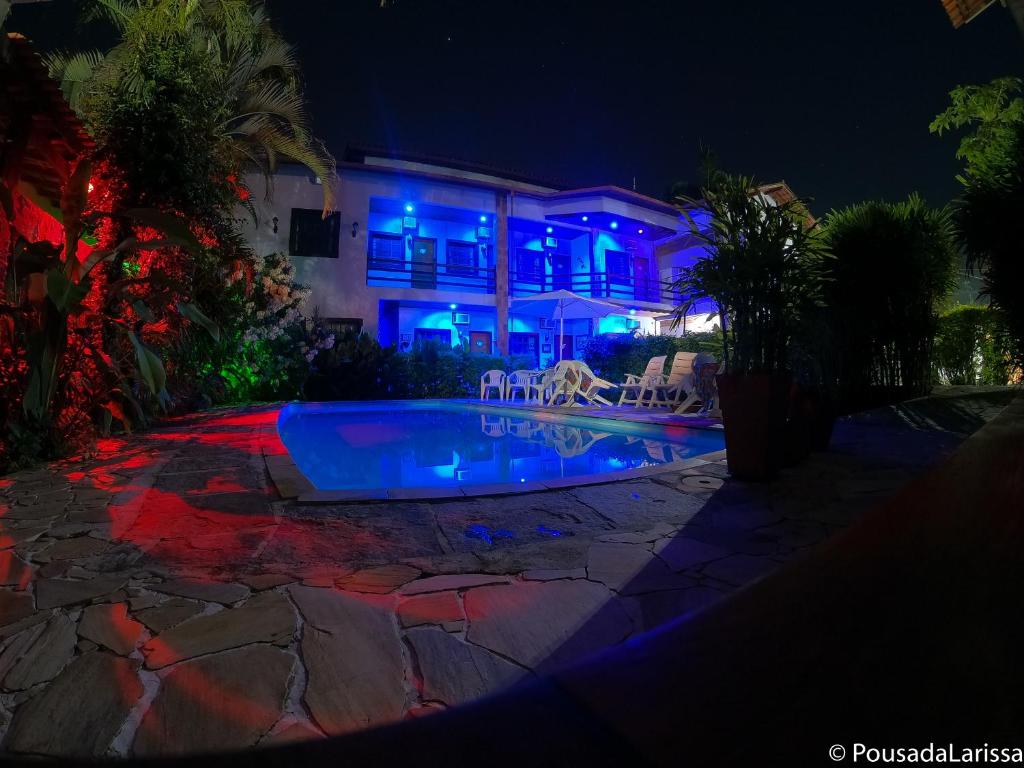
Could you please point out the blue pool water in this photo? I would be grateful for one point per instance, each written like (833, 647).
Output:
(342, 446)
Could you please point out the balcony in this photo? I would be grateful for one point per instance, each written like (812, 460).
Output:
(429, 275)
(403, 273)
(598, 285)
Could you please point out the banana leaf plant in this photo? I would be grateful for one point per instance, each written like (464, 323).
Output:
(53, 285)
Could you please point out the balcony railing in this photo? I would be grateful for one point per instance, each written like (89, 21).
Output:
(400, 273)
(598, 285)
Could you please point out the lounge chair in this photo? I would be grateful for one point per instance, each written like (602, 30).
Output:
(635, 386)
(495, 380)
(706, 390)
(672, 391)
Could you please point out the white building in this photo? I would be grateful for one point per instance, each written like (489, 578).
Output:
(422, 249)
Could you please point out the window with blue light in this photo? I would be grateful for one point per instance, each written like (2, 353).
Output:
(530, 265)
(460, 258)
(386, 251)
(435, 335)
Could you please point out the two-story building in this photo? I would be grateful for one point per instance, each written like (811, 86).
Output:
(422, 249)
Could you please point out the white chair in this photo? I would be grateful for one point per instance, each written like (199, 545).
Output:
(562, 381)
(636, 385)
(519, 380)
(590, 385)
(495, 380)
(671, 392)
(539, 382)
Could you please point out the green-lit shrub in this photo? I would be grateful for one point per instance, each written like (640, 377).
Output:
(971, 347)
(359, 368)
(894, 264)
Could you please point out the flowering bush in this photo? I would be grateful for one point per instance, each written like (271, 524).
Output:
(272, 351)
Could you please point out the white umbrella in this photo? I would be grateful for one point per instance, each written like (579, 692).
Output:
(563, 304)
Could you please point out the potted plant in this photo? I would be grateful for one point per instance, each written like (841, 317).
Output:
(763, 265)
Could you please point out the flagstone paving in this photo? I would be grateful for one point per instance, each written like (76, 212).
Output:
(159, 598)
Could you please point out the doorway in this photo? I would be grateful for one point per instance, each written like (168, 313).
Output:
(480, 342)
(561, 272)
(424, 263)
(642, 284)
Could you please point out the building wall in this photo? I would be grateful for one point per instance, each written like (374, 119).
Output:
(339, 285)
(393, 312)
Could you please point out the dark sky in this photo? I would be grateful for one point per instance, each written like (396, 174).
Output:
(834, 97)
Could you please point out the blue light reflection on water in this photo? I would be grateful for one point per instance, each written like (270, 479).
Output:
(396, 446)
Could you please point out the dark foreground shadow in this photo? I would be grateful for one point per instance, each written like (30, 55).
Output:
(903, 631)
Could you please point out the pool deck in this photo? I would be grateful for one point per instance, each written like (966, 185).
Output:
(161, 598)
(291, 483)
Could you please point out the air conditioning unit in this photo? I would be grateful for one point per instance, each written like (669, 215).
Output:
(460, 318)
(409, 222)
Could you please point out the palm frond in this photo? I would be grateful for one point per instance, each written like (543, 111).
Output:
(74, 72)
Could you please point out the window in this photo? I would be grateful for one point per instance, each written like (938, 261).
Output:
(436, 335)
(460, 258)
(340, 326)
(313, 235)
(530, 266)
(387, 251)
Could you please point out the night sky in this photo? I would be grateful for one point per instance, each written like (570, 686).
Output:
(834, 97)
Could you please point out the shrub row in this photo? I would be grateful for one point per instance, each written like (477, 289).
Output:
(359, 368)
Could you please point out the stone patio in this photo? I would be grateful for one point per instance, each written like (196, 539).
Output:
(160, 598)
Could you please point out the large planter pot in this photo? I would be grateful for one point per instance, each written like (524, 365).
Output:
(754, 408)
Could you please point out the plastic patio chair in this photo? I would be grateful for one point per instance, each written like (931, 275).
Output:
(670, 392)
(560, 382)
(537, 386)
(590, 386)
(493, 379)
(636, 385)
(519, 380)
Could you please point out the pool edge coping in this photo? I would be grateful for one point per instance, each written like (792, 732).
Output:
(292, 485)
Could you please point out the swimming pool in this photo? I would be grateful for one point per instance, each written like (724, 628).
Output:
(444, 444)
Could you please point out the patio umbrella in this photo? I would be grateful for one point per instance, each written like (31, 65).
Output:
(563, 305)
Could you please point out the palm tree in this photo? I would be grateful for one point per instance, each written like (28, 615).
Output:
(263, 117)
